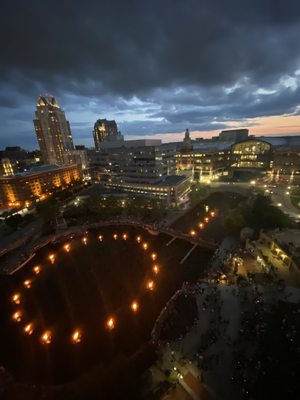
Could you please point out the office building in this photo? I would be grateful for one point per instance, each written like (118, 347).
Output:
(36, 184)
(53, 131)
(173, 190)
(105, 130)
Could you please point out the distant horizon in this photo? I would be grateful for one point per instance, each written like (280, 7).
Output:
(170, 137)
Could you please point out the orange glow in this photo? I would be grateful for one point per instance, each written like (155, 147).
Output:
(28, 329)
(206, 219)
(52, 258)
(138, 239)
(154, 256)
(155, 269)
(67, 247)
(46, 337)
(124, 236)
(27, 283)
(134, 306)
(76, 336)
(201, 225)
(212, 213)
(115, 236)
(145, 246)
(150, 285)
(100, 237)
(17, 316)
(110, 323)
(192, 233)
(16, 298)
(37, 269)
(84, 240)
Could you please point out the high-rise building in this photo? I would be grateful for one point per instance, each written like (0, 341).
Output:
(103, 129)
(53, 131)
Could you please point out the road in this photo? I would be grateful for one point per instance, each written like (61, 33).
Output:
(278, 192)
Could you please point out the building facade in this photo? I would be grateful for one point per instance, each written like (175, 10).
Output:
(24, 188)
(252, 155)
(172, 190)
(145, 165)
(103, 129)
(279, 249)
(209, 159)
(53, 131)
(234, 135)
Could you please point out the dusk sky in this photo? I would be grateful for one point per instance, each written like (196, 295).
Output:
(156, 67)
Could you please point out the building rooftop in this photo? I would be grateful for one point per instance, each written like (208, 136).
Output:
(286, 236)
(212, 146)
(172, 180)
(35, 170)
(282, 142)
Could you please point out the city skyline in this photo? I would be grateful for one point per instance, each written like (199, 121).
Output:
(204, 66)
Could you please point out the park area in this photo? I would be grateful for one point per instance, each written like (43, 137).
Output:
(87, 302)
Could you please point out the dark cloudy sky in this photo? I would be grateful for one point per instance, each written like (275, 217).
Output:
(156, 67)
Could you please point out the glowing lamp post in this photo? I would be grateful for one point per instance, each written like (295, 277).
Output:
(28, 329)
(134, 306)
(17, 316)
(76, 337)
(150, 285)
(27, 283)
(46, 337)
(37, 269)
(16, 298)
(67, 247)
(145, 246)
(110, 323)
(52, 258)
(155, 269)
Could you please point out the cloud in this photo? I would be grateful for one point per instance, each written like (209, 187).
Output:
(156, 66)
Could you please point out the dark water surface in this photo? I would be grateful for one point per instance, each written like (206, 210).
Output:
(80, 291)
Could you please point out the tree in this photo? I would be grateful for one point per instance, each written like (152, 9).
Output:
(48, 209)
